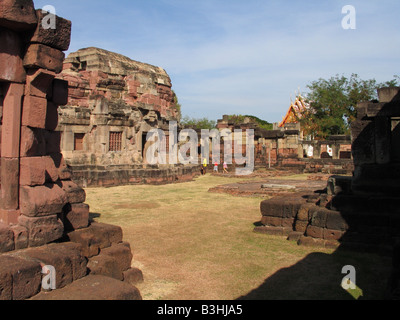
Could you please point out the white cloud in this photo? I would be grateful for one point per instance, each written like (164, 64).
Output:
(228, 55)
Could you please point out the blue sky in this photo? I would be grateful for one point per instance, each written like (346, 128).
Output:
(241, 57)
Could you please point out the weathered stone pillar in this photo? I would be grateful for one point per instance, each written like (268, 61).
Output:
(317, 151)
(36, 190)
(10, 134)
(336, 151)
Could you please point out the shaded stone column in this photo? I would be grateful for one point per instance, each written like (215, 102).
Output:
(317, 151)
(10, 133)
(336, 151)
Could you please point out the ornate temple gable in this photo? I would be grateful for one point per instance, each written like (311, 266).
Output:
(294, 111)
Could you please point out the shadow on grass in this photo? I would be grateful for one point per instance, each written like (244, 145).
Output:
(319, 276)
(93, 215)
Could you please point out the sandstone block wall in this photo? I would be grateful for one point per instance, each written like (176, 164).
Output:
(43, 217)
(285, 148)
(376, 144)
(113, 102)
(110, 93)
(36, 190)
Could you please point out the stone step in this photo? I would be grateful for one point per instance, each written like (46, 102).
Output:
(93, 287)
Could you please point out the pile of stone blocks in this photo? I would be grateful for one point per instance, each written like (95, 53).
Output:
(43, 217)
(360, 212)
(93, 256)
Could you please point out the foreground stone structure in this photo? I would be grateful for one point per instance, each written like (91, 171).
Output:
(113, 102)
(43, 217)
(359, 212)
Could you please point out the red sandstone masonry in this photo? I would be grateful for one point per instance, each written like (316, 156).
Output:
(96, 237)
(20, 237)
(20, 278)
(10, 152)
(66, 258)
(42, 230)
(11, 121)
(74, 193)
(6, 239)
(9, 217)
(112, 261)
(76, 216)
(42, 200)
(39, 203)
(34, 112)
(58, 38)
(38, 82)
(9, 190)
(51, 170)
(42, 56)
(11, 66)
(33, 142)
(18, 15)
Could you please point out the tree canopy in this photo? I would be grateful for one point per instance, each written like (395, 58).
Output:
(177, 105)
(332, 103)
(202, 123)
(238, 119)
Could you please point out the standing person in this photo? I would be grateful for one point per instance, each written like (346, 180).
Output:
(225, 167)
(204, 165)
(216, 167)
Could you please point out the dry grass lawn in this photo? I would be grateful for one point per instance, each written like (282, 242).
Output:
(192, 244)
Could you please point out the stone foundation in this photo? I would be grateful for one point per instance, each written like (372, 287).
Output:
(96, 250)
(102, 176)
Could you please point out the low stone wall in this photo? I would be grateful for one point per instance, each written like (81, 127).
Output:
(308, 165)
(98, 250)
(106, 176)
(334, 218)
(329, 166)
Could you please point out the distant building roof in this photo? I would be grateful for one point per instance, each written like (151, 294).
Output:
(294, 111)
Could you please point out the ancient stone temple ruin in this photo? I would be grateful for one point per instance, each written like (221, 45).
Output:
(113, 102)
(360, 212)
(45, 228)
(285, 147)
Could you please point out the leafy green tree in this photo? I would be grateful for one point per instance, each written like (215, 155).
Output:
(261, 123)
(333, 103)
(238, 119)
(177, 105)
(202, 123)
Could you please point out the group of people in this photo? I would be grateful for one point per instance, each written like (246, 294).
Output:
(205, 164)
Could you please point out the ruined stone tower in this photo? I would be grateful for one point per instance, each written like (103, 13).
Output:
(113, 102)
